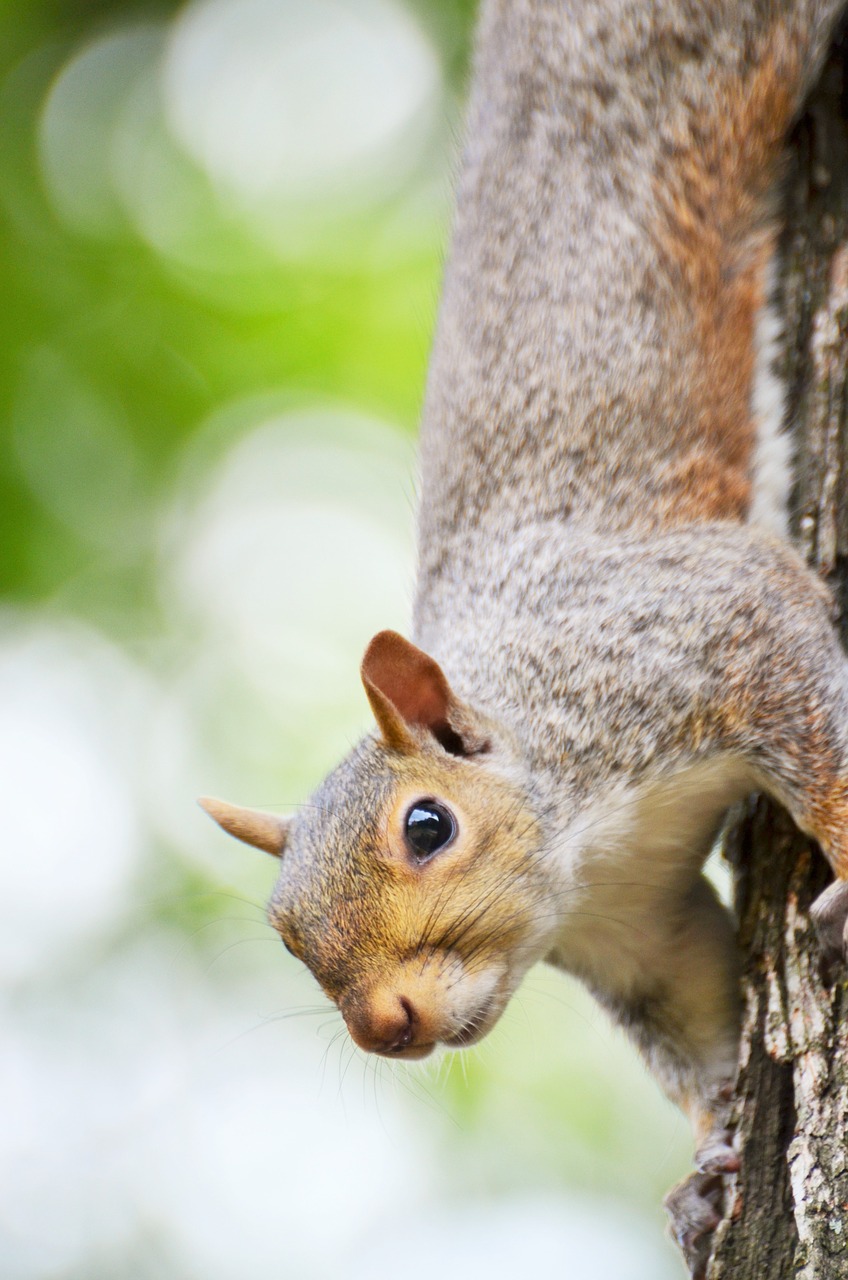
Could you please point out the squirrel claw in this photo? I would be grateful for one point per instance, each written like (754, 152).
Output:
(694, 1210)
(829, 914)
(696, 1205)
(717, 1155)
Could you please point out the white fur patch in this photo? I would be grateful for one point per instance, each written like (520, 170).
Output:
(772, 451)
(630, 860)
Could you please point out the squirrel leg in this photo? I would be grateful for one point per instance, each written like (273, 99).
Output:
(784, 711)
(688, 1028)
(821, 810)
(688, 1033)
(694, 1208)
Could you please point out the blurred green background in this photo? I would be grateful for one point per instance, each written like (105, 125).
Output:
(222, 232)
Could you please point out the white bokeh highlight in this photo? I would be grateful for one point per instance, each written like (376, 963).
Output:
(71, 838)
(300, 544)
(515, 1235)
(285, 99)
(245, 133)
(82, 122)
(284, 554)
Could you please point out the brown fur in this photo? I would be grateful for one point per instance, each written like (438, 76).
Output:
(711, 188)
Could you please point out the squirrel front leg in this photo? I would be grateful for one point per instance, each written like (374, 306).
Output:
(687, 1026)
(665, 964)
(746, 679)
(688, 1033)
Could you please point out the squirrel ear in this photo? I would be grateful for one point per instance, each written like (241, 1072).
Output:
(262, 830)
(408, 689)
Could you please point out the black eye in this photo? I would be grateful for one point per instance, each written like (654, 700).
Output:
(429, 827)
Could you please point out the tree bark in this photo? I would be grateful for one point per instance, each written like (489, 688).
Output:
(787, 1210)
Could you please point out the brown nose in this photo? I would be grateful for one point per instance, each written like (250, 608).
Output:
(382, 1022)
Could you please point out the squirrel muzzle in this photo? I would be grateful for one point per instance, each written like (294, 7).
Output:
(431, 1000)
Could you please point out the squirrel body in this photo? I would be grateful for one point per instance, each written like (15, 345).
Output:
(606, 656)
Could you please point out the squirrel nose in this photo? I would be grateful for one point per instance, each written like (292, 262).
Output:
(382, 1025)
(404, 1027)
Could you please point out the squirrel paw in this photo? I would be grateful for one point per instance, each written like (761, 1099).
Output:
(695, 1206)
(694, 1210)
(829, 914)
(717, 1154)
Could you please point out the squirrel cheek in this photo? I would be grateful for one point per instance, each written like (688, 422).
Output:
(478, 1000)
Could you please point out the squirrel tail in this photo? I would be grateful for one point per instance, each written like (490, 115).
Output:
(772, 465)
(715, 189)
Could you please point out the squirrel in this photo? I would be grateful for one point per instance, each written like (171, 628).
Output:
(606, 653)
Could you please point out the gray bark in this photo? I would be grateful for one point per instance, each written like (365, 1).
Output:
(786, 1213)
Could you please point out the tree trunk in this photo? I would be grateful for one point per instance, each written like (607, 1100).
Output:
(787, 1211)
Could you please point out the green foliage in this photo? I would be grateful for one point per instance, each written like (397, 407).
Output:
(184, 363)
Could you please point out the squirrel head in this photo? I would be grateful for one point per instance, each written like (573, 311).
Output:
(411, 885)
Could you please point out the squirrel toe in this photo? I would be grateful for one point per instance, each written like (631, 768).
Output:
(717, 1155)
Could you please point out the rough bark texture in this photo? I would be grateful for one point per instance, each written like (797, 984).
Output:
(787, 1211)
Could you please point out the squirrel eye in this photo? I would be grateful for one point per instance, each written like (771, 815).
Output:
(429, 827)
